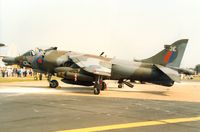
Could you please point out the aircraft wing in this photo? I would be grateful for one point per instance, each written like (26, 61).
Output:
(172, 74)
(92, 65)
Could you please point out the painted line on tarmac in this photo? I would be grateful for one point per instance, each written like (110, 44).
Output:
(134, 125)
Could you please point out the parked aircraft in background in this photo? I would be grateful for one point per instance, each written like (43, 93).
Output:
(186, 71)
(88, 70)
(1, 45)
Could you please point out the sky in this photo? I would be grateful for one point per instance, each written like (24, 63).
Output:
(125, 29)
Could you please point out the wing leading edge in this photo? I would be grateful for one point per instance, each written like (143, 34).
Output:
(92, 65)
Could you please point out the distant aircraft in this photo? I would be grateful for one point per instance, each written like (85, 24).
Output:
(186, 71)
(1, 45)
(88, 70)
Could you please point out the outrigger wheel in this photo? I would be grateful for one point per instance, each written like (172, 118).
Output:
(53, 83)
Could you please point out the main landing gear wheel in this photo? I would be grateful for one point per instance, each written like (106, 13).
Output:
(104, 86)
(53, 83)
(98, 85)
(96, 91)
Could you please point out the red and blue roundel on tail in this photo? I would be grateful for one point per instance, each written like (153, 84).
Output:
(170, 55)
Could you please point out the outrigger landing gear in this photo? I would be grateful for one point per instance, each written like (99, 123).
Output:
(52, 83)
(98, 85)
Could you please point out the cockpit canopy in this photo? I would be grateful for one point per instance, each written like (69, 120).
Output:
(32, 52)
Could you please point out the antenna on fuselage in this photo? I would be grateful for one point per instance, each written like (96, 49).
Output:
(101, 53)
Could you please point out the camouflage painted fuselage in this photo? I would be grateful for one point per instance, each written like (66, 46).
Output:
(119, 69)
(144, 72)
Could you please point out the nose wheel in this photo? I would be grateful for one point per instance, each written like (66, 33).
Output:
(53, 83)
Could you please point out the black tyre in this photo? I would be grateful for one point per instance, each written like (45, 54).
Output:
(103, 87)
(96, 91)
(53, 83)
(120, 86)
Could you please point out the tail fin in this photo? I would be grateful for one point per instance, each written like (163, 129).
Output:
(171, 56)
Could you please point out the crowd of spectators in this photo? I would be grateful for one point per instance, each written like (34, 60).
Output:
(15, 72)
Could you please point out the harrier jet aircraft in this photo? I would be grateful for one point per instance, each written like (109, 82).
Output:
(88, 70)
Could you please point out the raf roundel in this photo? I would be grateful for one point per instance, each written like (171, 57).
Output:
(40, 61)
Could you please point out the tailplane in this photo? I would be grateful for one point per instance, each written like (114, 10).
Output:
(171, 56)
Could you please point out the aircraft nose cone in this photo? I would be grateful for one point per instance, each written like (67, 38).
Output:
(8, 59)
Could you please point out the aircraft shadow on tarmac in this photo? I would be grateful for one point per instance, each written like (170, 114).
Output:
(89, 90)
(78, 89)
(162, 93)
